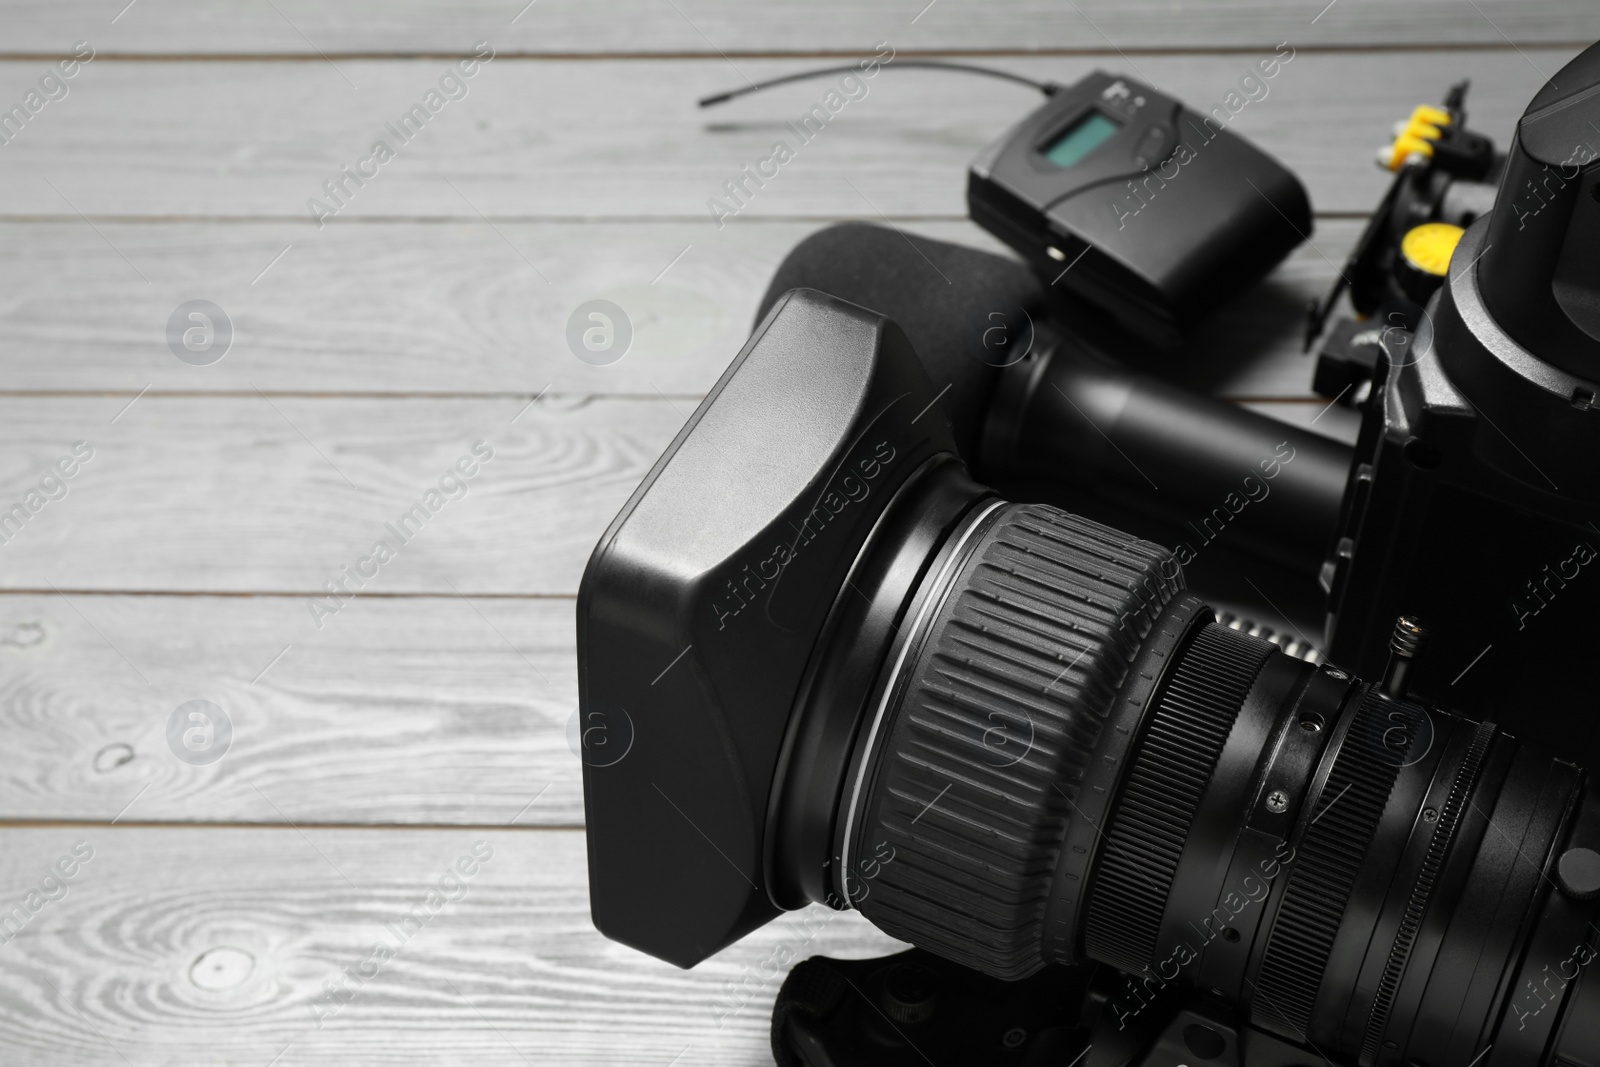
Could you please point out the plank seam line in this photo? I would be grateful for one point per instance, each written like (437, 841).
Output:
(388, 220)
(296, 394)
(280, 594)
(1349, 47)
(66, 394)
(155, 824)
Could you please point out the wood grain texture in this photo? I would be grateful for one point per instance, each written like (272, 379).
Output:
(248, 494)
(401, 307)
(399, 711)
(304, 27)
(618, 138)
(214, 946)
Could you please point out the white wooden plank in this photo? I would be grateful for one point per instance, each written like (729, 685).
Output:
(402, 307)
(250, 494)
(214, 946)
(304, 27)
(400, 710)
(617, 138)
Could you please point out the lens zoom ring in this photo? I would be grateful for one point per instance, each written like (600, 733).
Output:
(1328, 858)
(1444, 832)
(1144, 842)
(1001, 710)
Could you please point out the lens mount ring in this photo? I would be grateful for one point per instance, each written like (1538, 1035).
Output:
(994, 715)
(1444, 832)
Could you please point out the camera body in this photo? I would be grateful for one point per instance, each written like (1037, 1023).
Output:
(1474, 496)
(1473, 501)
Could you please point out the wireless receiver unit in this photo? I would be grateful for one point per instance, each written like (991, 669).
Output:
(1125, 197)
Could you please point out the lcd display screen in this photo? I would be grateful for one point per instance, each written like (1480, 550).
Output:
(1081, 138)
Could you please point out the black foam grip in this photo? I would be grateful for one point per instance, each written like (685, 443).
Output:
(1000, 713)
(964, 310)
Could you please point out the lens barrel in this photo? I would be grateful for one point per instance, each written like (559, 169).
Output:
(1067, 759)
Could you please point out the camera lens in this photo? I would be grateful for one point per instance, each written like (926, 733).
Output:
(1064, 758)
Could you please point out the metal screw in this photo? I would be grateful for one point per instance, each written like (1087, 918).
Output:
(1405, 645)
(1014, 1037)
(1430, 815)
(1277, 801)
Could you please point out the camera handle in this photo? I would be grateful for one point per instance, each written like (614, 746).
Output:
(1069, 412)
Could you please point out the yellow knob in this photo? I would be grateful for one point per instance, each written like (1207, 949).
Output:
(1429, 247)
(1423, 131)
(1403, 148)
(1415, 136)
(1433, 116)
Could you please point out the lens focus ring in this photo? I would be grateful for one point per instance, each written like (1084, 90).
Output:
(1144, 843)
(999, 711)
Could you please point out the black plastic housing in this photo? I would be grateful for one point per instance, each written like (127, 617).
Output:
(699, 609)
(1212, 469)
(1167, 219)
(1474, 500)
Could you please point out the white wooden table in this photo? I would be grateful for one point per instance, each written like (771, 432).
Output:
(227, 911)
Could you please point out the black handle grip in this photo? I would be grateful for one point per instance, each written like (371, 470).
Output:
(1204, 465)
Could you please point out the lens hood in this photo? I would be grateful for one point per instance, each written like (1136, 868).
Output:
(702, 603)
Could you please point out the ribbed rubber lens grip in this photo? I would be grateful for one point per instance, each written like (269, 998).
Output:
(1144, 841)
(999, 709)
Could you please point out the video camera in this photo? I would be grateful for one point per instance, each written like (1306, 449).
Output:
(821, 661)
